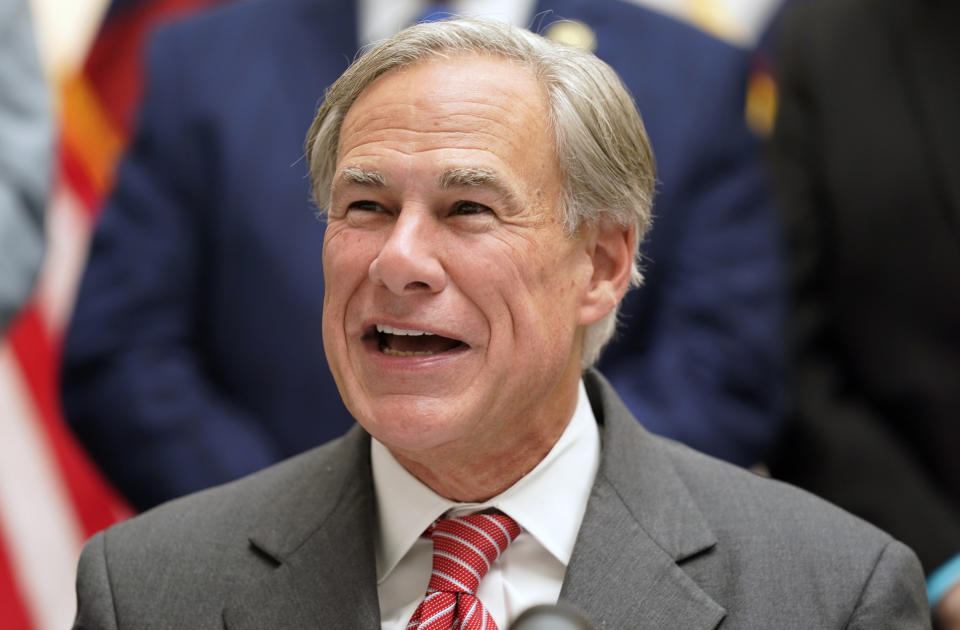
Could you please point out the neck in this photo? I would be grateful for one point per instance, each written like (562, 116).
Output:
(479, 471)
(470, 482)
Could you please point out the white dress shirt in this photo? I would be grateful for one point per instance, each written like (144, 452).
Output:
(380, 19)
(548, 503)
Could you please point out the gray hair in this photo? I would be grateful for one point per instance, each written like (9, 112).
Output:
(601, 145)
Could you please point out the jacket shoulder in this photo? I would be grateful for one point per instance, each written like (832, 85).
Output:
(232, 36)
(232, 18)
(211, 528)
(241, 503)
(177, 563)
(735, 499)
(785, 545)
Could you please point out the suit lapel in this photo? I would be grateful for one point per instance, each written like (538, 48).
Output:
(321, 543)
(928, 53)
(640, 526)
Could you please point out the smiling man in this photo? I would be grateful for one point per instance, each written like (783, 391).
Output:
(456, 299)
(485, 193)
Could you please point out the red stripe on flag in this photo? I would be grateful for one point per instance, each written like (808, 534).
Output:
(78, 180)
(97, 506)
(13, 612)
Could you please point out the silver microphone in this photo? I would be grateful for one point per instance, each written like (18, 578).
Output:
(551, 617)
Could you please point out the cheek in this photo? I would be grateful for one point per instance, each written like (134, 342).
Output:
(558, 288)
(527, 295)
(554, 266)
(346, 260)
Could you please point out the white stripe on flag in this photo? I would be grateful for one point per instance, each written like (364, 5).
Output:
(68, 237)
(42, 533)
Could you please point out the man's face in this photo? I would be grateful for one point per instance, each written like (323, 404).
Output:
(453, 309)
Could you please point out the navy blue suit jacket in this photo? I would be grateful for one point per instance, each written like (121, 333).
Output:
(195, 355)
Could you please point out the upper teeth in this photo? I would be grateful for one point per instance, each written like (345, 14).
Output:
(383, 328)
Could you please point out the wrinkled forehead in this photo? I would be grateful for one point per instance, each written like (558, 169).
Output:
(487, 111)
(448, 93)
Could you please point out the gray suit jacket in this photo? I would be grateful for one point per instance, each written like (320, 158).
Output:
(671, 539)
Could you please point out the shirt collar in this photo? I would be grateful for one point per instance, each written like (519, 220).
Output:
(548, 502)
(379, 19)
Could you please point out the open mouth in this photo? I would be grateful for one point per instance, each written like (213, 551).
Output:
(399, 342)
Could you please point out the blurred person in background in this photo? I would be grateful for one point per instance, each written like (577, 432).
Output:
(195, 355)
(26, 139)
(867, 157)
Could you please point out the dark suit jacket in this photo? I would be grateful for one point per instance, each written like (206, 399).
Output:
(671, 539)
(867, 150)
(194, 355)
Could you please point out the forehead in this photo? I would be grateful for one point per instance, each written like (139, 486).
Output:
(465, 103)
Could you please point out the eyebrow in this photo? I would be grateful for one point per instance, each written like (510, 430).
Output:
(473, 177)
(361, 177)
(461, 177)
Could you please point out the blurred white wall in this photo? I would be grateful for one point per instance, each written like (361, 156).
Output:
(64, 31)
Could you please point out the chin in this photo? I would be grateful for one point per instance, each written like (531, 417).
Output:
(411, 423)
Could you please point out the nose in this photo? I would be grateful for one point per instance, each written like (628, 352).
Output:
(407, 262)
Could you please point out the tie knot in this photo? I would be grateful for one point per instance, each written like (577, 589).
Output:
(465, 548)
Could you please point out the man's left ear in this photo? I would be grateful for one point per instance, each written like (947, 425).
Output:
(610, 248)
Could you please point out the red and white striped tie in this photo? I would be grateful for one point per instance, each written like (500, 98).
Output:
(464, 549)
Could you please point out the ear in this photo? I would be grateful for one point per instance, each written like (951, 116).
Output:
(611, 248)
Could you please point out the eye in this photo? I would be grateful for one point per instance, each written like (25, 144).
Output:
(366, 206)
(468, 208)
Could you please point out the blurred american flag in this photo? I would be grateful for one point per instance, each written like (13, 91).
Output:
(52, 498)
